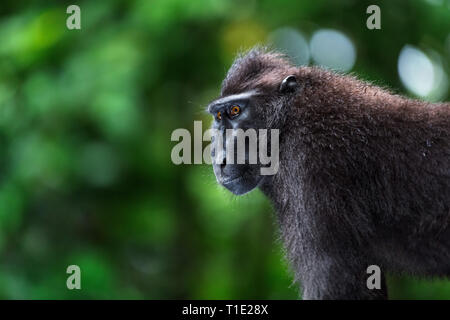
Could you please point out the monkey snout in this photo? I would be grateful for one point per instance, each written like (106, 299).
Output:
(226, 170)
(223, 165)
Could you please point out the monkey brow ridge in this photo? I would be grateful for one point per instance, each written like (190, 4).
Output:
(227, 99)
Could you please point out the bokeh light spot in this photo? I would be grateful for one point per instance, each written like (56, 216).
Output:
(292, 43)
(333, 49)
(421, 75)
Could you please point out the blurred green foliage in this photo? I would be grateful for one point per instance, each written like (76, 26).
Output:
(85, 122)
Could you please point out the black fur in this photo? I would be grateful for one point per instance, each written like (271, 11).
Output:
(364, 176)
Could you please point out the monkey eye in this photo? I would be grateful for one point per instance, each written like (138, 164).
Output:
(235, 110)
(219, 115)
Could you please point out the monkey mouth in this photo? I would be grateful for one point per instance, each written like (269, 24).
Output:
(232, 179)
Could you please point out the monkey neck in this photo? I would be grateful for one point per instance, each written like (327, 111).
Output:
(327, 104)
(328, 119)
(278, 188)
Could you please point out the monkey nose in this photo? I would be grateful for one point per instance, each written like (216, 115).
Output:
(223, 165)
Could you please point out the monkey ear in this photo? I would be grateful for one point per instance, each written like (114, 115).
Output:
(288, 84)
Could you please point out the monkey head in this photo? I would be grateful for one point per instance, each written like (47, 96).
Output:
(254, 93)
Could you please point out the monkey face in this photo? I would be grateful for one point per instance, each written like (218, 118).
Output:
(235, 142)
(240, 148)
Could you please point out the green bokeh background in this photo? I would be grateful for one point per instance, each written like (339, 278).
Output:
(86, 117)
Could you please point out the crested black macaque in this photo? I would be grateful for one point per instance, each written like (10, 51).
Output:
(363, 179)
